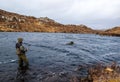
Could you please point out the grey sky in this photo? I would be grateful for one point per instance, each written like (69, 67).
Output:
(97, 14)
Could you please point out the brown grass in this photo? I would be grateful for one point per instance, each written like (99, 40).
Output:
(101, 73)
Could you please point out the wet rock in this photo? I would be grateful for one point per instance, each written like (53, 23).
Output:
(34, 73)
(74, 79)
(51, 79)
(11, 78)
(39, 77)
(56, 78)
(80, 67)
(63, 74)
(73, 64)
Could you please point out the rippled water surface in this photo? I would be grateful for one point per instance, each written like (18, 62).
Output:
(50, 49)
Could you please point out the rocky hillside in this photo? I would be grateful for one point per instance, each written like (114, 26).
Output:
(115, 31)
(12, 22)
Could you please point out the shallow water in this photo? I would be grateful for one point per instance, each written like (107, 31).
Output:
(49, 50)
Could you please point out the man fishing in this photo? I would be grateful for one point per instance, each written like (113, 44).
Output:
(21, 52)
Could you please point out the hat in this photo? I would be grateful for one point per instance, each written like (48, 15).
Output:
(20, 39)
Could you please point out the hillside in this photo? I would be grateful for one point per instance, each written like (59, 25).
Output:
(115, 31)
(12, 22)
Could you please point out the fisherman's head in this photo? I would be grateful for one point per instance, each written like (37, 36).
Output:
(20, 40)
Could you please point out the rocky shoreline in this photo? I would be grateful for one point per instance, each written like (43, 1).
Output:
(109, 34)
(81, 73)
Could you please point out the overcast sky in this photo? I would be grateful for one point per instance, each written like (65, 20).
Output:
(97, 14)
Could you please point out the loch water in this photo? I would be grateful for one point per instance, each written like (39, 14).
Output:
(49, 50)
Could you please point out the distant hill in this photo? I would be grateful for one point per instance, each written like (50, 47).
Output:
(12, 22)
(114, 30)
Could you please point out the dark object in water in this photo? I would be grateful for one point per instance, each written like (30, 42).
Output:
(70, 43)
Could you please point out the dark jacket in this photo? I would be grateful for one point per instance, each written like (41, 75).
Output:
(18, 48)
